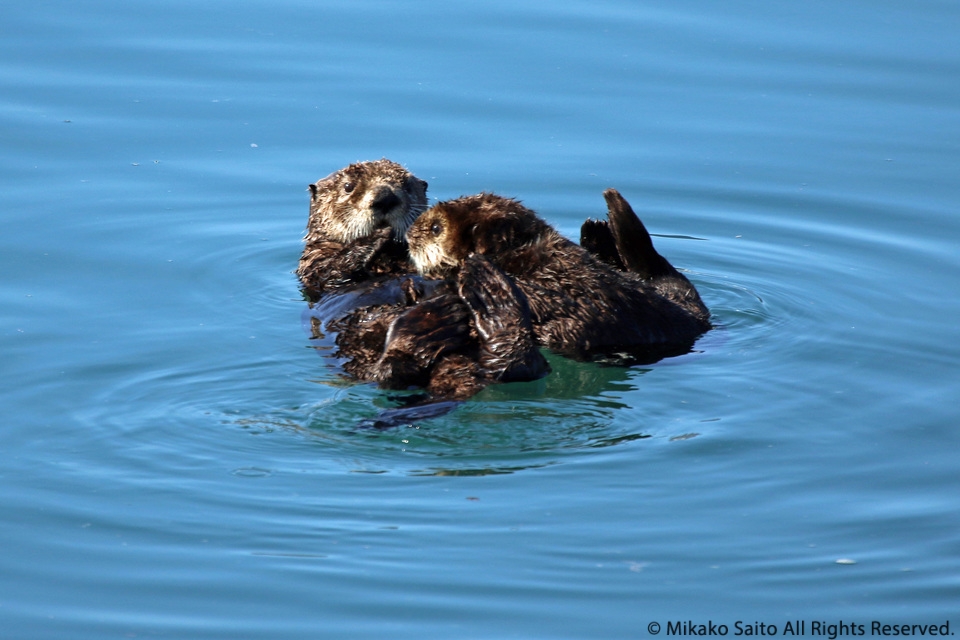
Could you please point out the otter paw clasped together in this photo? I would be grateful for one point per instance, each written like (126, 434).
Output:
(452, 298)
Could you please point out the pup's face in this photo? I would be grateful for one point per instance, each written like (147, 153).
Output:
(434, 243)
(356, 200)
(487, 224)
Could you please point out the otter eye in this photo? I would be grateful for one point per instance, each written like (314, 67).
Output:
(348, 187)
(436, 228)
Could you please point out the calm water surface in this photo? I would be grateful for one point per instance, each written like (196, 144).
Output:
(178, 462)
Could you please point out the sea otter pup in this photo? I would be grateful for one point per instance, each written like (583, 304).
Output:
(629, 306)
(358, 218)
(394, 328)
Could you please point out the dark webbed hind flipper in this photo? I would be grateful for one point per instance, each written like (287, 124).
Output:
(596, 237)
(501, 315)
(633, 242)
(418, 337)
(636, 250)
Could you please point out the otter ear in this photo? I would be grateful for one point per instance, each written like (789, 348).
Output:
(322, 185)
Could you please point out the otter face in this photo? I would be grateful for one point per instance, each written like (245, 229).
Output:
(434, 243)
(356, 200)
(487, 224)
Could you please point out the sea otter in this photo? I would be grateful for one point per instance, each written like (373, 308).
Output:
(355, 231)
(625, 305)
(393, 327)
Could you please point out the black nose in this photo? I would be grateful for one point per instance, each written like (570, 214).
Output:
(385, 201)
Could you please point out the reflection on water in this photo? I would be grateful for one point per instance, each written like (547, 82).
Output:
(506, 428)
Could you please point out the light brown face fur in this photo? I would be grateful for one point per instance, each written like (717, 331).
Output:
(358, 199)
(488, 224)
(432, 241)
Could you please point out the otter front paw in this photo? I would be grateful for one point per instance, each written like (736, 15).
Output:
(364, 250)
(428, 330)
(501, 314)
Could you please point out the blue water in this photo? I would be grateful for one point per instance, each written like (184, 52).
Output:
(178, 462)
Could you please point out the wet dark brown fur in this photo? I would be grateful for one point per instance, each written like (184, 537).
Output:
(467, 333)
(450, 338)
(629, 305)
(477, 331)
(355, 231)
(634, 253)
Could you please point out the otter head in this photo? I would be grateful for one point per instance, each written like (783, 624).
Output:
(356, 200)
(487, 224)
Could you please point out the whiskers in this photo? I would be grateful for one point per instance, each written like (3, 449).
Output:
(402, 223)
(416, 209)
(429, 258)
(357, 225)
